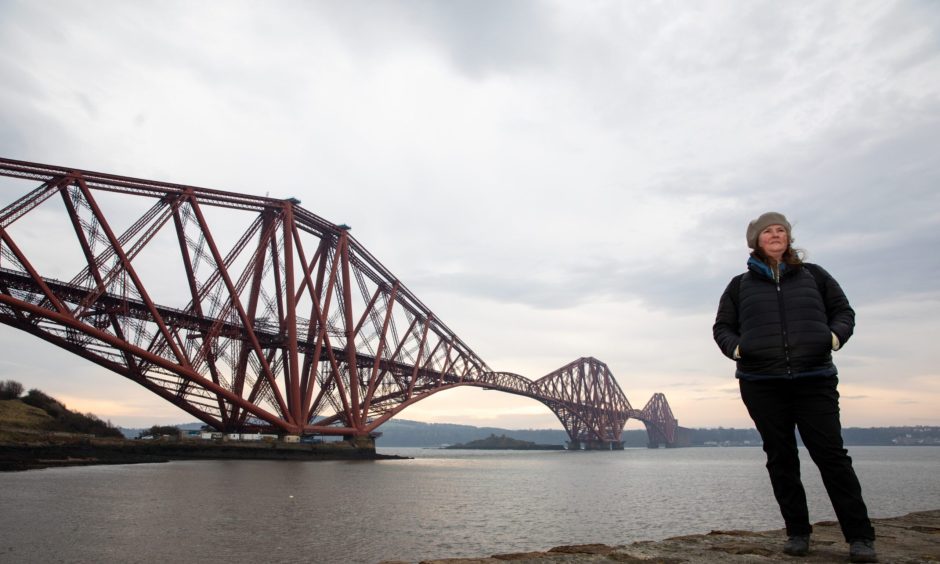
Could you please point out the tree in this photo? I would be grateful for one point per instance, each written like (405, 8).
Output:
(158, 431)
(10, 390)
(49, 404)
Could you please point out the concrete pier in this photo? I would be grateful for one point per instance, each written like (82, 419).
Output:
(595, 445)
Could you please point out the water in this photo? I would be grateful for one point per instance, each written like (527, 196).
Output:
(444, 503)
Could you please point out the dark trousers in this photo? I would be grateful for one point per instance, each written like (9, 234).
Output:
(811, 405)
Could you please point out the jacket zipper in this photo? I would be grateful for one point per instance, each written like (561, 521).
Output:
(783, 323)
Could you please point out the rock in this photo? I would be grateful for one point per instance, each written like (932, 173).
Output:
(911, 539)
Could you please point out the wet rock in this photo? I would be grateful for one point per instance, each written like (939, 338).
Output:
(910, 539)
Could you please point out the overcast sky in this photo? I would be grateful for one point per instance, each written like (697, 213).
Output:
(552, 179)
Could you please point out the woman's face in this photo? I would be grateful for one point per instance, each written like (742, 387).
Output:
(773, 241)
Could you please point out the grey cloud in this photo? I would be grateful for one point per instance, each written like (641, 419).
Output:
(711, 398)
(887, 192)
(87, 104)
(874, 191)
(486, 35)
(901, 20)
(886, 189)
(815, 110)
(479, 37)
(658, 286)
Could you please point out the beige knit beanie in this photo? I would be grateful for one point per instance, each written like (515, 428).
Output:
(763, 222)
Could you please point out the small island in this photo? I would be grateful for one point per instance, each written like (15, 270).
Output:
(503, 442)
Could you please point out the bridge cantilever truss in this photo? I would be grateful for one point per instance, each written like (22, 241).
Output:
(251, 312)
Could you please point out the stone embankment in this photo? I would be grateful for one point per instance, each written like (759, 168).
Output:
(913, 538)
(31, 451)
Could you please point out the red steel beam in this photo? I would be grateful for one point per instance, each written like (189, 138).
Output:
(299, 367)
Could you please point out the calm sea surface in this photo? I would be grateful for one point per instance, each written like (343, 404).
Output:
(444, 503)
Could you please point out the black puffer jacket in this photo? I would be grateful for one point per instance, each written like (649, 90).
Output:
(782, 329)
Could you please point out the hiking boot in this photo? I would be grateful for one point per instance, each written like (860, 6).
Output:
(797, 545)
(862, 550)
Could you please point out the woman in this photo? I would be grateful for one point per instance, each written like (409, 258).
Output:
(780, 321)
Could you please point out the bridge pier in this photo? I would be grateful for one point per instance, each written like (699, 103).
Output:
(594, 445)
(361, 442)
(603, 445)
(663, 444)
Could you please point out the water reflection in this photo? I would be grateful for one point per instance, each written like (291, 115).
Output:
(443, 503)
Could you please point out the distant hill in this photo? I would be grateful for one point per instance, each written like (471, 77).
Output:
(134, 432)
(38, 412)
(406, 433)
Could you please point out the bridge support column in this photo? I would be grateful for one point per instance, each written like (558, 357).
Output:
(361, 442)
(575, 444)
(603, 445)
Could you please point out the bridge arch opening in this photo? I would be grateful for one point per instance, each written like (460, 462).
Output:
(479, 407)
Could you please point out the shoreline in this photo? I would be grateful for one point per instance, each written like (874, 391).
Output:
(908, 539)
(89, 451)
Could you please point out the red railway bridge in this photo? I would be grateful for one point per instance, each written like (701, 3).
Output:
(254, 313)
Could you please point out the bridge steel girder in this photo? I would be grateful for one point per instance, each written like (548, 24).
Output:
(277, 319)
(661, 426)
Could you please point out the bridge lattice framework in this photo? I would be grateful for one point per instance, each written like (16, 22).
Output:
(252, 312)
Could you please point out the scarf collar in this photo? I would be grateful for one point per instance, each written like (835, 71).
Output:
(761, 268)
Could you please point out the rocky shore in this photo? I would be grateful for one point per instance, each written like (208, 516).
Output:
(910, 539)
(52, 451)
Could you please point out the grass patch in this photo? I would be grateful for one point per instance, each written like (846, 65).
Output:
(18, 415)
